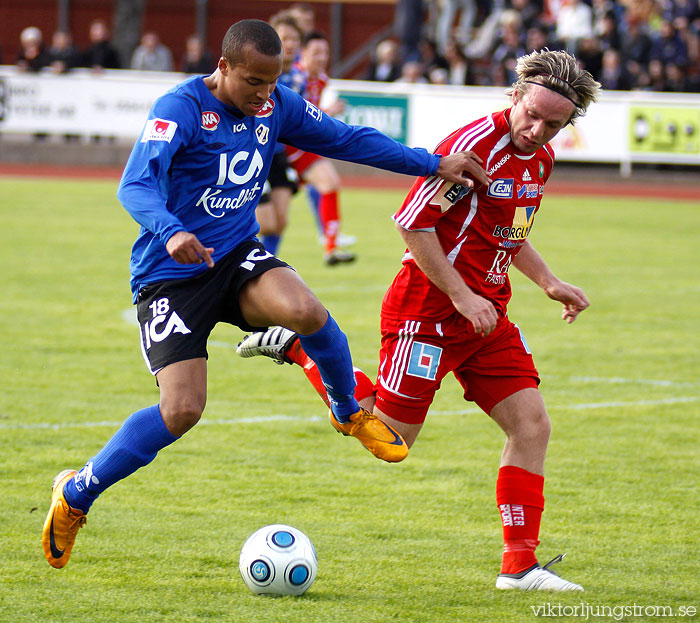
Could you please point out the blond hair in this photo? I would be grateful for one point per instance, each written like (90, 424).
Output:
(557, 71)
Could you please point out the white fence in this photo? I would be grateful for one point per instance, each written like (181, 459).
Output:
(623, 127)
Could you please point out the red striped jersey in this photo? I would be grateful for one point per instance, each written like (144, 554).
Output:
(480, 230)
(314, 89)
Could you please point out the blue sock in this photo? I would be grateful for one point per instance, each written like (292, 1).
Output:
(271, 242)
(314, 204)
(328, 348)
(134, 445)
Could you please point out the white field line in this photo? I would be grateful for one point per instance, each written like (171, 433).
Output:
(262, 419)
(129, 316)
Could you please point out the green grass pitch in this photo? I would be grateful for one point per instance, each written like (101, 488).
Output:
(415, 542)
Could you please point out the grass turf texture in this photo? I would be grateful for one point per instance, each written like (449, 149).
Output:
(419, 541)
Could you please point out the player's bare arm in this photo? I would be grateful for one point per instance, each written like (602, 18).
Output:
(185, 248)
(428, 254)
(529, 262)
(464, 167)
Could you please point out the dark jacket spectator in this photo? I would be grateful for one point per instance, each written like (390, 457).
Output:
(100, 54)
(668, 47)
(197, 60)
(613, 75)
(385, 66)
(64, 55)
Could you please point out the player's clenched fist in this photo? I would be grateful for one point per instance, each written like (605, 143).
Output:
(479, 311)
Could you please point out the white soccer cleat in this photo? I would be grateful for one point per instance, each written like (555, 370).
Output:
(342, 240)
(339, 256)
(272, 343)
(537, 579)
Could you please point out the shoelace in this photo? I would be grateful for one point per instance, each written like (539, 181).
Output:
(77, 523)
(364, 417)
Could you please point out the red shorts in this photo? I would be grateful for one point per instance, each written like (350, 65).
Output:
(300, 160)
(416, 355)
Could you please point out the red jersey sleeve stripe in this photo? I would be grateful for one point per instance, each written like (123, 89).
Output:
(426, 191)
(473, 135)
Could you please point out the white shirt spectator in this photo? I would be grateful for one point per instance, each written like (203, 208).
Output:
(574, 22)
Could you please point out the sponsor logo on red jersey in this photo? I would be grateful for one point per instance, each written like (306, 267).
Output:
(267, 109)
(523, 220)
(501, 188)
(210, 120)
(529, 191)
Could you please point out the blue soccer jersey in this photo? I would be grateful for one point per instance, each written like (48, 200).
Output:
(199, 166)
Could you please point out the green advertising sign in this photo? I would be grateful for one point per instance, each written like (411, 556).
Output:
(664, 129)
(388, 114)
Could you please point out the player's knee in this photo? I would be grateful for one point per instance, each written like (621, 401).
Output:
(182, 414)
(534, 426)
(307, 315)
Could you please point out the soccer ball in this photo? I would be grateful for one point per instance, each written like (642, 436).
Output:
(278, 560)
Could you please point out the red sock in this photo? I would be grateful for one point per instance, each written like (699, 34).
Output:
(296, 354)
(329, 214)
(521, 502)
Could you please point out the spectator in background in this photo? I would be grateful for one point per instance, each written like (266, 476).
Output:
(606, 30)
(459, 69)
(32, 56)
(385, 66)
(603, 8)
(655, 78)
(197, 59)
(682, 13)
(430, 58)
(151, 55)
(408, 24)
(508, 49)
(412, 73)
(676, 81)
(304, 15)
(530, 12)
(100, 54)
(484, 37)
(613, 75)
(537, 37)
(639, 11)
(667, 46)
(590, 55)
(636, 48)
(574, 22)
(446, 31)
(64, 55)
(438, 75)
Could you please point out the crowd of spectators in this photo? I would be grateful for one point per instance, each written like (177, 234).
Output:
(626, 44)
(150, 55)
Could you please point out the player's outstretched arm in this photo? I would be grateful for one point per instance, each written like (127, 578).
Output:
(529, 262)
(463, 167)
(428, 254)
